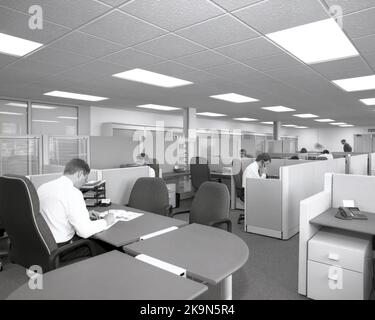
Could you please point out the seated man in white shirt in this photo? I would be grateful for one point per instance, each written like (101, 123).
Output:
(325, 155)
(257, 169)
(63, 207)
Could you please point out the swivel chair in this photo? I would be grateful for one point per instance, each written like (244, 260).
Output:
(150, 194)
(31, 241)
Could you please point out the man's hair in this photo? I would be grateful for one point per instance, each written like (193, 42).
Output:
(303, 150)
(76, 165)
(343, 141)
(263, 156)
(325, 151)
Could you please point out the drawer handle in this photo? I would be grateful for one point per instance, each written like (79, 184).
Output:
(333, 256)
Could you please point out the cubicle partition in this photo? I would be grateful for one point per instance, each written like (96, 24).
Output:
(119, 182)
(337, 187)
(371, 163)
(272, 205)
(358, 164)
(39, 179)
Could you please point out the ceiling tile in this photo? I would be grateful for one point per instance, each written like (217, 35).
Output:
(349, 6)
(17, 24)
(114, 3)
(204, 59)
(132, 58)
(103, 69)
(360, 24)
(86, 45)
(218, 32)
(58, 57)
(275, 15)
(279, 61)
(172, 14)
(69, 13)
(39, 68)
(343, 68)
(170, 68)
(170, 47)
(365, 44)
(231, 5)
(122, 28)
(370, 58)
(254, 48)
(5, 59)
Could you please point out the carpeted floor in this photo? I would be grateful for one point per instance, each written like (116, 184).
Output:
(269, 274)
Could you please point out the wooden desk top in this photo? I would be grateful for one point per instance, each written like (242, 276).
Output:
(208, 254)
(112, 275)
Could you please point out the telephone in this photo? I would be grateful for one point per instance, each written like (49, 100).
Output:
(350, 213)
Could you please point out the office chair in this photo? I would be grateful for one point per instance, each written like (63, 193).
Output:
(200, 172)
(240, 192)
(31, 241)
(3, 253)
(211, 206)
(150, 194)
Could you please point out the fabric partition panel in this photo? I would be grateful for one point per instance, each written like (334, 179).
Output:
(119, 182)
(300, 182)
(358, 164)
(372, 164)
(39, 179)
(354, 187)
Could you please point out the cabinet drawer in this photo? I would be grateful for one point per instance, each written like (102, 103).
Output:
(336, 247)
(354, 286)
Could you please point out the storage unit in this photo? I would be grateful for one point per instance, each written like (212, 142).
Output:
(93, 193)
(339, 265)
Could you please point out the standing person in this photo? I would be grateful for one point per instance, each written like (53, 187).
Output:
(347, 147)
(258, 169)
(64, 209)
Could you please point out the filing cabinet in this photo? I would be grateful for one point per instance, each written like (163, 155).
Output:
(339, 265)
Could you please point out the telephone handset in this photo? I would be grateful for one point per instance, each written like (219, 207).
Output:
(350, 213)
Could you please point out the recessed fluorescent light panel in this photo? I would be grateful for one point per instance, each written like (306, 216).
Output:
(68, 118)
(245, 119)
(17, 46)
(301, 127)
(11, 113)
(324, 120)
(315, 42)
(45, 121)
(290, 125)
(211, 114)
(16, 104)
(267, 122)
(278, 109)
(152, 78)
(234, 97)
(38, 106)
(369, 102)
(356, 84)
(338, 123)
(76, 96)
(306, 115)
(157, 107)
(346, 125)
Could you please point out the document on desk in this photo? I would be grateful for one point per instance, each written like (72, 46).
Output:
(122, 215)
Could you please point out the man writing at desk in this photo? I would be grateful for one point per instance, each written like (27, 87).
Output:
(257, 169)
(63, 207)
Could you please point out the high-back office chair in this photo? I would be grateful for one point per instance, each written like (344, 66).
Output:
(200, 172)
(150, 194)
(211, 206)
(3, 241)
(31, 241)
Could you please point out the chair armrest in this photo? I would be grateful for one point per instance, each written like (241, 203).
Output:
(53, 258)
(179, 212)
(220, 222)
(168, 210)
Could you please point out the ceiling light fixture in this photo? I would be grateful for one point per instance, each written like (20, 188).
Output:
(234, 97)
(76, 96)
(17, 46)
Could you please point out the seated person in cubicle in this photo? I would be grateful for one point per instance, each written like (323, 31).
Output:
(294, 158)
(303, 150)
(63, 208)
(142, 159)
(244, 154)
(325, 155)
(258, 169)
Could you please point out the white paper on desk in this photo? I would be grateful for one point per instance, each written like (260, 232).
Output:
(123, 215)
(348, 203)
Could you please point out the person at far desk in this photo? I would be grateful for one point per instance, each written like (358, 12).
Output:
(325, 154)
(258, 169)
(63, 207)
